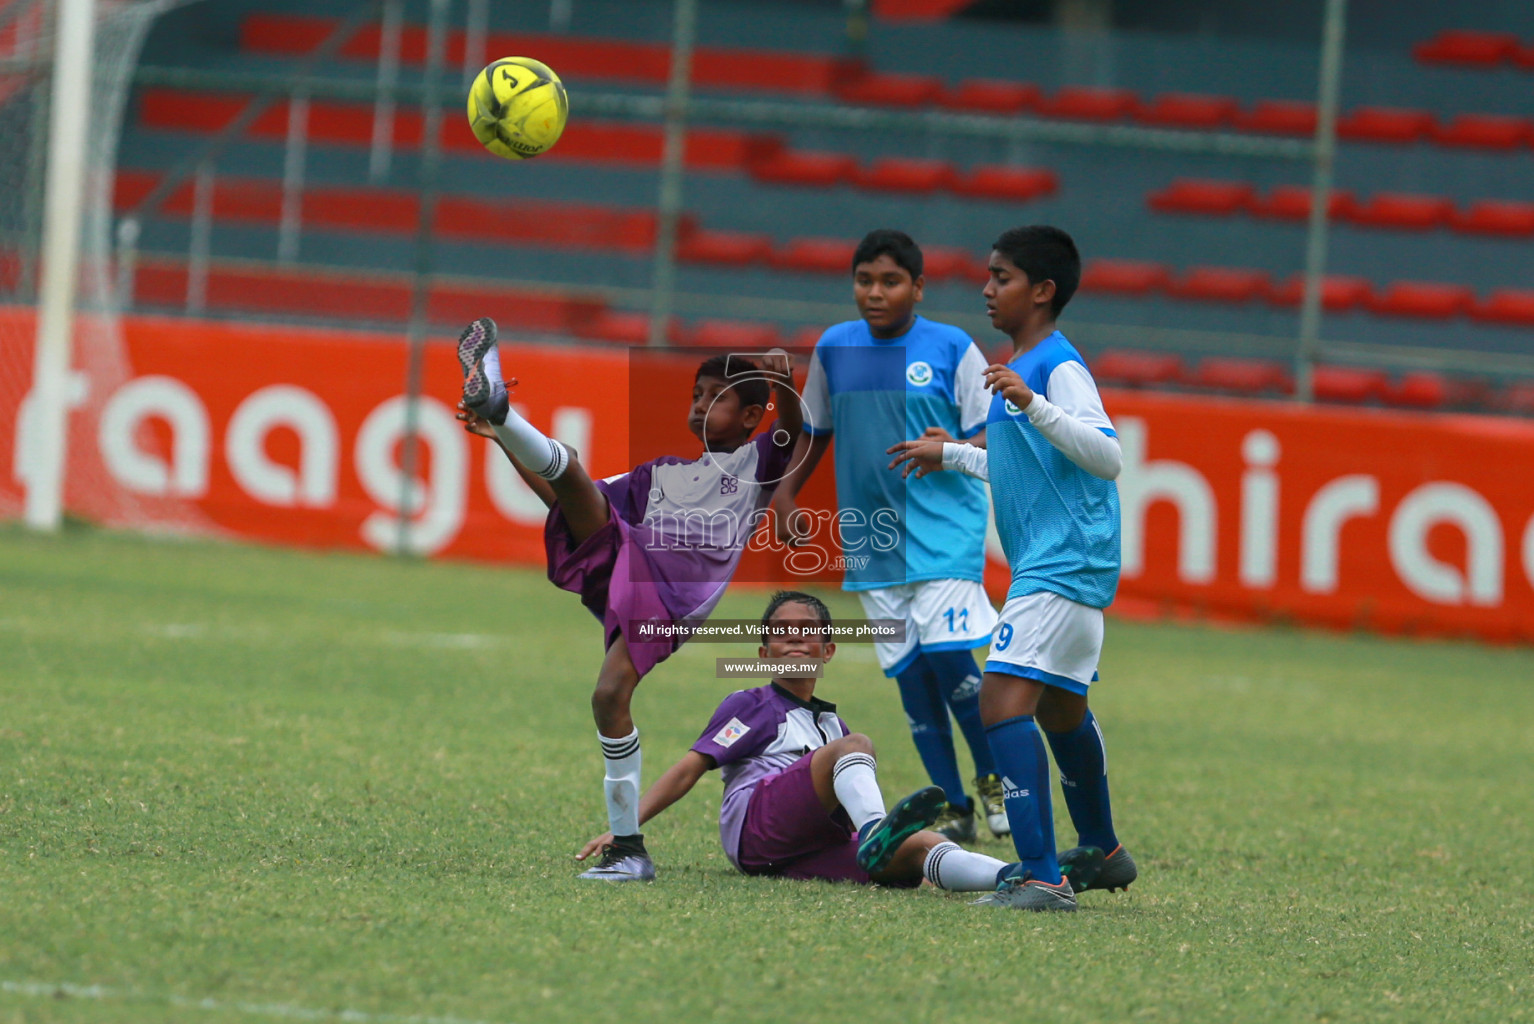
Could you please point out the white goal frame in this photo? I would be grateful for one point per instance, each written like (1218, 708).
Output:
(69, 116)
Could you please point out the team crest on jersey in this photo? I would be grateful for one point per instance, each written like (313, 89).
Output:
(919, 373)
(1012, 409)
(733, 730)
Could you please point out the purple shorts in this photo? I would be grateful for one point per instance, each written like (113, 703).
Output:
(610, 572)
(788, 833)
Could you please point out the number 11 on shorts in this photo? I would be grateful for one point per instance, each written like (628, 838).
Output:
(962, 620)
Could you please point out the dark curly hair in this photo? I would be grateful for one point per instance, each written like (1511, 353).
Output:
(783, 597)
(742, 373)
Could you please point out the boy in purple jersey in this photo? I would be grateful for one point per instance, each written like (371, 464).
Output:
(655, 545)
(801, 799)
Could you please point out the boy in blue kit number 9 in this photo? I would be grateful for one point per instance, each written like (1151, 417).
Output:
(1051, 457)
(911, 550)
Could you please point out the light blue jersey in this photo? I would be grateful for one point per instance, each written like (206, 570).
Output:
(873, 393)
(1058, 524)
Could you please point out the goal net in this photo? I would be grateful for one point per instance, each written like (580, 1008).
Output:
(95, 487)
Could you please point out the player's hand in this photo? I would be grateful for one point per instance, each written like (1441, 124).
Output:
(920, 457)
(789, 524)
(1004, 381)
(473, 424)
(937, 434)
(778, 367)
(595, 846)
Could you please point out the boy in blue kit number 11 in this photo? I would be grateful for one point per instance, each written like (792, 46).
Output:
(912, 550)
(1051, 457)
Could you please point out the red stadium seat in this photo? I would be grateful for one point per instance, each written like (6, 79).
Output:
(1338, 294)
(941, 262)
(1523, 57)
(1011, 184)
(1292, 202)
(735, 335)
(350, 124)
(1485, 131)
(903, 174)
(1347, 384)
(11, 267)
(1513, 306)
(1197, 195)
(1188, 110)
(990, 96)
(458, 304)
(724, 248)
(794, 167)
(1137, 369)
(804, 338)
(878, 89)
(1496, 217)
(1423, 299)
(1123, 277)
(1220, 284)
(1474, 49)
(1247, 376)
(1418, 390)
(381, 210)
(621, 328)
(1402, 211)
(1279, 117)
(268, 289)
(1517, 398)
(815, 256)
(578, 58)
(1089, 103)
(565, 225)
(1385, 124)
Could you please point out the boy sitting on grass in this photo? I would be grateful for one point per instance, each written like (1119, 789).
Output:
(801, 799)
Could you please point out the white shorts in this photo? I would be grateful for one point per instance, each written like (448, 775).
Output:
(1050, 638)
(939, 615)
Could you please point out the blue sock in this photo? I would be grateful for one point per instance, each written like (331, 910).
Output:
(930, 729)
(1024, 768)
(958, 678)
(1083, 766)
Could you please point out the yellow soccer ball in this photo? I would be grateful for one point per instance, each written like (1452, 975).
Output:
(518, 108)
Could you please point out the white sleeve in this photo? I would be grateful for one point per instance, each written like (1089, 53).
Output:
(969, 391)
(968, 459)
(816, 400)
(1071, 417)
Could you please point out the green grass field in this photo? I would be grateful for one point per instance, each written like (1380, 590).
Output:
(239, 784)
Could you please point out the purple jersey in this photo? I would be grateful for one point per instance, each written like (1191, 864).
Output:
(757, 733)
(693, 517)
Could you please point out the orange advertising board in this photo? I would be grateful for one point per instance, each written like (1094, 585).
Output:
(1391, 521)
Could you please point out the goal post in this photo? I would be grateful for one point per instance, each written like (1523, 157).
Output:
(66, 67)
(69, 118)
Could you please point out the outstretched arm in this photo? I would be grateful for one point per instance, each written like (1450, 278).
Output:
(779, 367)
(814, 438)
(808, 451)
(675, 783)
(537, 484)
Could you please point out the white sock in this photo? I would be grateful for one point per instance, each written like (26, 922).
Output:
(492, 364)
(621, 784)
(950, 866)
(541, 454)
(857, 788)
